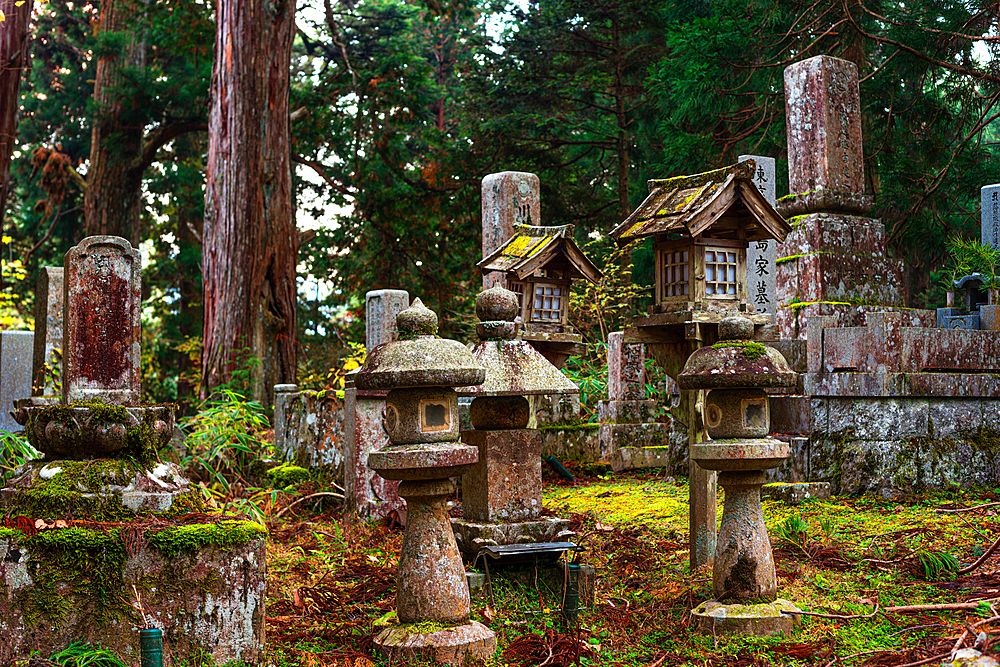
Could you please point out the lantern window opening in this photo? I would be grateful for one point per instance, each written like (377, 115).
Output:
(675, 280)
(549, 303)
(720, 272)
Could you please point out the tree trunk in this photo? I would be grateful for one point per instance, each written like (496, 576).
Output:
(13, 60)
(250, 242)
(113, 199)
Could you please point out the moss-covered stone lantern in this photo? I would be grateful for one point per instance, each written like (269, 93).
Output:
(420, 372)
(502, 494)
(737, 370)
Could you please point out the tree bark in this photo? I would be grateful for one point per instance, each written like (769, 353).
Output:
(113, 199)
(14, 58)
(250, 241)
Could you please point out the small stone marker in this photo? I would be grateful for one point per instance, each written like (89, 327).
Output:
(48, 328)
(102, 330)
(626, 369)
(15, 373)
(990, 214)
(762, 270)
(381, 307)
(509, 198)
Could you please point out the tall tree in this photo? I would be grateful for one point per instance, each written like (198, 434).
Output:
(250, 243)
(15, 17)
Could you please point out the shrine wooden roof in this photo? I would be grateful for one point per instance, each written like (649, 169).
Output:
(720, 202)
(534, 247)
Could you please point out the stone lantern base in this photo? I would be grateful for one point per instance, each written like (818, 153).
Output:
(759, 620)
(471, 643)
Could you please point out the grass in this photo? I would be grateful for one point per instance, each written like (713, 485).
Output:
(329, 583)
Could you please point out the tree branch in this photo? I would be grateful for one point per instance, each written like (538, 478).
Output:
(163, 135)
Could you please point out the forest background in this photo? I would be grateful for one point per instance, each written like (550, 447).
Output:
(395, 111)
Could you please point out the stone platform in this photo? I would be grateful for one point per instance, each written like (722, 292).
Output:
(203, 585)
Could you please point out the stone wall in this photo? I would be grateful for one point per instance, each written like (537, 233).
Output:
(309, 428)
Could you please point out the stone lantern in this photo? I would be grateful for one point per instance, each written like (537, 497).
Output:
(502, 494)
(421, 417)
(736, 370)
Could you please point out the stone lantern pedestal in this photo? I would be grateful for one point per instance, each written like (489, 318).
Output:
(737, 418)
(421, 416)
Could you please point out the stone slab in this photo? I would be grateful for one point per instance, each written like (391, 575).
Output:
(758, 620)
(796, 493)
(381, 308)
(956, 385)
(580, 443)
(102, 329)
(209, 603)
(509, 198)
(989, 213)
(469, 644)
(310, 430)
(761, 255)
(823, 122)
(48, 346)
(506, 484)
(16, 351)
(367, 494)
(791, 414)
(626, 412)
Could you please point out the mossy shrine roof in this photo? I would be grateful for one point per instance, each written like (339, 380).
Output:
(533, 248)
(723, 201)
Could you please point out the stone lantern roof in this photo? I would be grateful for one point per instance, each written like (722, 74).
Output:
(717, 203)
(513, 366)
(533, 248)
(418, 358)
(736, 361)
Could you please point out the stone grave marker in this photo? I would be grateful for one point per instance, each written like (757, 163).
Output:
(16, 349)
(990, 214)
(762, 270)
(48, 329)
(101, 330)
(509, 198)
(381, 307)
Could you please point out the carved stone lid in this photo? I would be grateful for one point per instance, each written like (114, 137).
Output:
(418, 358)
(736, 361)
(513, 366)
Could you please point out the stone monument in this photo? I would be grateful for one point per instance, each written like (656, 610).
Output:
(419, 371)
(15, 379)
(70, 572)
(835, 257)
(762, 268)
(502, 493)
(510, 198)
(47, 362)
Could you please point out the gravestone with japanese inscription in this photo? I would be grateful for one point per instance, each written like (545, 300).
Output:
(835, 258)
(990, 214)
(510, 198)
(762, 271)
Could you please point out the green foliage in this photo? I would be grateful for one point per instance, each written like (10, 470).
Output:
(938, 565)
(223, 440)
(14, 450)
(80, 654)
(794, 531)
(968, 256)
(590, 373)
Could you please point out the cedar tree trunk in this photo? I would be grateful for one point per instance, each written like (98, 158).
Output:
(250, 243)
(113, 199)
(13, 60)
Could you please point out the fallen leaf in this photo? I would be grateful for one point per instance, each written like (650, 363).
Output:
(372, 558)
(297, 599)
(488, 614)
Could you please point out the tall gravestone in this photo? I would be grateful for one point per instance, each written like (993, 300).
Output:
(102, 330)
(762, 268)
(46, 364)
(836, 254)
(16, 349)
(368, 494)
(990, 214)
(509, 198)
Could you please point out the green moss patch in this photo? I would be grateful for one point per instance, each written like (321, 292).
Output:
(749, 348)
(287, 475)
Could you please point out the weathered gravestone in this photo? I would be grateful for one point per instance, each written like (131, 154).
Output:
(762, 270)
(47, 362)
(15, 379)
(102, 330)
(509, 198)
(990, 214)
